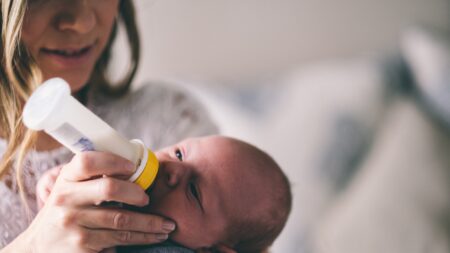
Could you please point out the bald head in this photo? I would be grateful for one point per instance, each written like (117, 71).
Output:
(221, 191)
(264, 193)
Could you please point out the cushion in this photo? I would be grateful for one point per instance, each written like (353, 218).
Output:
(427, 53)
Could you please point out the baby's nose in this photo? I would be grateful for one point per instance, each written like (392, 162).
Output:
(172, 174)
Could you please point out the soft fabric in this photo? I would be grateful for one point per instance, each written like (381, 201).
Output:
(157, 114)
(162, 249)
(427, 54)
(165, 247)
(399, 201)
(318, 123)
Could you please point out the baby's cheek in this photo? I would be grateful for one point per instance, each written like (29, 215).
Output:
(190, 233)
(188, 229)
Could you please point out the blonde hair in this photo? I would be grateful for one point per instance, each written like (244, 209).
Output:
(20, 75)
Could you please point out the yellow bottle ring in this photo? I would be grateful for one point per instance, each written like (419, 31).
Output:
(148, 175)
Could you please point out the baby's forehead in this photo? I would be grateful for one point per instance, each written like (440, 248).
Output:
(242, 172)
(212, 143)
(216, 153)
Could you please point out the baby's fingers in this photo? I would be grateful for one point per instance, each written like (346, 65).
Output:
(45, 185)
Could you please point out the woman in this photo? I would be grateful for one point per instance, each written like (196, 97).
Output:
(72, 39)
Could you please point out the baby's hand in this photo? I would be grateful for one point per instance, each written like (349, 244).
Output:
(45, 185)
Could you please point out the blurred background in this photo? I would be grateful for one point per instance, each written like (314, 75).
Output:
(351, 97)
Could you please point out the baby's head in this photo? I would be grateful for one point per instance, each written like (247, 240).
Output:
(222, 193)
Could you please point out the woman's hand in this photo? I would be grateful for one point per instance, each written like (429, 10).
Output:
(71, 219)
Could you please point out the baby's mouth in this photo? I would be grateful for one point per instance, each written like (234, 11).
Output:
(151, 193)
(151, 190)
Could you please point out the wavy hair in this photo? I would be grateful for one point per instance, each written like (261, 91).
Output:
(20, 76)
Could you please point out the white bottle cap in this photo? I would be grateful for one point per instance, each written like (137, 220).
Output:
(39, 111)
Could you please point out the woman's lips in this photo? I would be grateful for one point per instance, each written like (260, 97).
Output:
(69, 57)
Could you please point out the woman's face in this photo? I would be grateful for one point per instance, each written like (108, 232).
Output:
(66, 37)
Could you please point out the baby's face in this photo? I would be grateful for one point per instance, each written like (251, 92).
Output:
(201, 183)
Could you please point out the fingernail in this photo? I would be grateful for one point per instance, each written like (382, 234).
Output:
(168, 226)
(130, 167)
(162, 236)
(145, 199)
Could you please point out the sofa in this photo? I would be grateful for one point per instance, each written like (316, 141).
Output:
(364, 141)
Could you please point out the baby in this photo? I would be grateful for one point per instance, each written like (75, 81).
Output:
(220, 192)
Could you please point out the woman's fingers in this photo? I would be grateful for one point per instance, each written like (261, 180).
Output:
(91, 164)
(101, 239)
(73, 207)
(97, 191)
(123, 220)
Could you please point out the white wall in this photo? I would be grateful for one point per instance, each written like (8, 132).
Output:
(235, 40)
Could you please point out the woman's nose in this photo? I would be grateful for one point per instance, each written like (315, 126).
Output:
(80, 18)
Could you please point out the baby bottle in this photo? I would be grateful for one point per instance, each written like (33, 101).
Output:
(52, 108)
